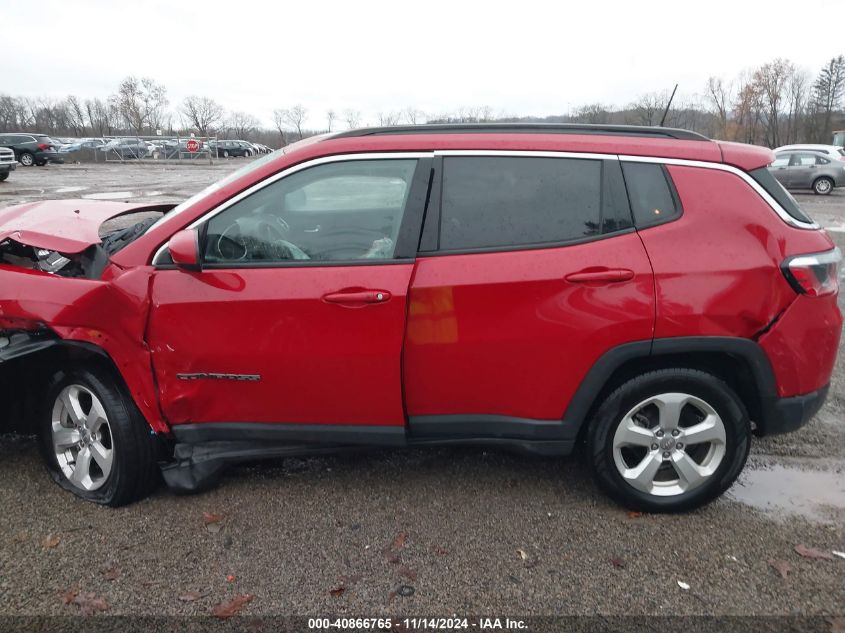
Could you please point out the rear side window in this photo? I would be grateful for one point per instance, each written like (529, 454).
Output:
(504, 201)
(764, 178)
(651, 193)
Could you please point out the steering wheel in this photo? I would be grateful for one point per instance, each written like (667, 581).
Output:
(259, 236)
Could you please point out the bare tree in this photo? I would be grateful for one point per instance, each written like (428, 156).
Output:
(388, 119)
(75, 115)
(648, 108)
(292, 117)
(280, 123)
(140, 102)
(592, 113)
(241, 124)
(100, 115)
(202, 113)
(331, 115)
(352, 118)
(719, 97)
(797, 90)
(771, 80)
(413, 116)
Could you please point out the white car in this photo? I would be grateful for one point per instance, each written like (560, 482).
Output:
(833, 152)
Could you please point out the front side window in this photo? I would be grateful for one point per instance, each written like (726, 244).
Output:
(349, 210)
(782, 160)
(505, 201)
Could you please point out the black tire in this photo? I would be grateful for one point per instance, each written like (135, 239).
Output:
(708, 388)
(27, 159)
(3, 175)
(248, 153)
(225, 154)
(134, 471)
(823, 186)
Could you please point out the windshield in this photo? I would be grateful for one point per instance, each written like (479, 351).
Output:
(259, 162)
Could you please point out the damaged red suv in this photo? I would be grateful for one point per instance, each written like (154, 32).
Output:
(649, 294)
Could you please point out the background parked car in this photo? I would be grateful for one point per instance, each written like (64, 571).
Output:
(228, 148)
(808, 170)
(833, 152)
(32, 149)
(126, 148)
(7, 162)
(79, 144)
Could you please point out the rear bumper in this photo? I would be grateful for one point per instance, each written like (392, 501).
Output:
(783, 415)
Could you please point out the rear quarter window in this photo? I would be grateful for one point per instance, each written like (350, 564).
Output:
(651, 193)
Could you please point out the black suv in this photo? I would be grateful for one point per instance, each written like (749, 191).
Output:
(32, 149)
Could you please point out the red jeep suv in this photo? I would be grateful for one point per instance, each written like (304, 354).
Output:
(648, 293)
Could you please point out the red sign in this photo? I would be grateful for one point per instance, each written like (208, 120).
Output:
(192, 145)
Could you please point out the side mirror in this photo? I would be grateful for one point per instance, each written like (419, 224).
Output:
(184, 249)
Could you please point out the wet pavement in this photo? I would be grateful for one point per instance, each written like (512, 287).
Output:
(470, 531)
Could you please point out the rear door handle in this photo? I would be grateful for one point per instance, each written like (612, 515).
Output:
(357, 297)
(608, 275)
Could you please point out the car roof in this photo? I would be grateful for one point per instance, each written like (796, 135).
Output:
(599, 139)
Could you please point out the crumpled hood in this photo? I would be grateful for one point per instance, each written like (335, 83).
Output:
(66, 226)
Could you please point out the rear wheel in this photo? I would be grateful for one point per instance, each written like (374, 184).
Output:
(96, 443)
(823, 186)
(27, 159)
(669, 440)
(225, 154)
(247, 153)
(3, 175)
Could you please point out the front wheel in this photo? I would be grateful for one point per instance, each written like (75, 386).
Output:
(225, 154)
(96, 443)
(823, 186)
(670, 440)
(247, 153)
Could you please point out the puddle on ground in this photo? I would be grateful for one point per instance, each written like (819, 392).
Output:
(787, 490)
(70, 189)
(109, 195)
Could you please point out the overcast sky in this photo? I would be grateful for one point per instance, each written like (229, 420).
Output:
(520, 57)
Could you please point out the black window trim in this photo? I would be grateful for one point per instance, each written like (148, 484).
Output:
(409, 230)
(430, 237)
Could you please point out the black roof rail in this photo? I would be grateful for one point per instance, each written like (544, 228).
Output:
(528, 128)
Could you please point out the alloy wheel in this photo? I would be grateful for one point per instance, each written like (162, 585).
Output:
(82, 438)
(669, 444)
(822, 186)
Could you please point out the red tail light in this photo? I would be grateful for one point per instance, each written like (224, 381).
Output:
(43, 146)
(816, 274)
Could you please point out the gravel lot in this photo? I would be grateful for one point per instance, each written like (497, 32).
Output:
(435, 532)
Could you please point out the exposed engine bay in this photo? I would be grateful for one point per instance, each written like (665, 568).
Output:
(89, 263)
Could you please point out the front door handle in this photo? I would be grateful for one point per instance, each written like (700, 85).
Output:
(607, 275)
(352, 298)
